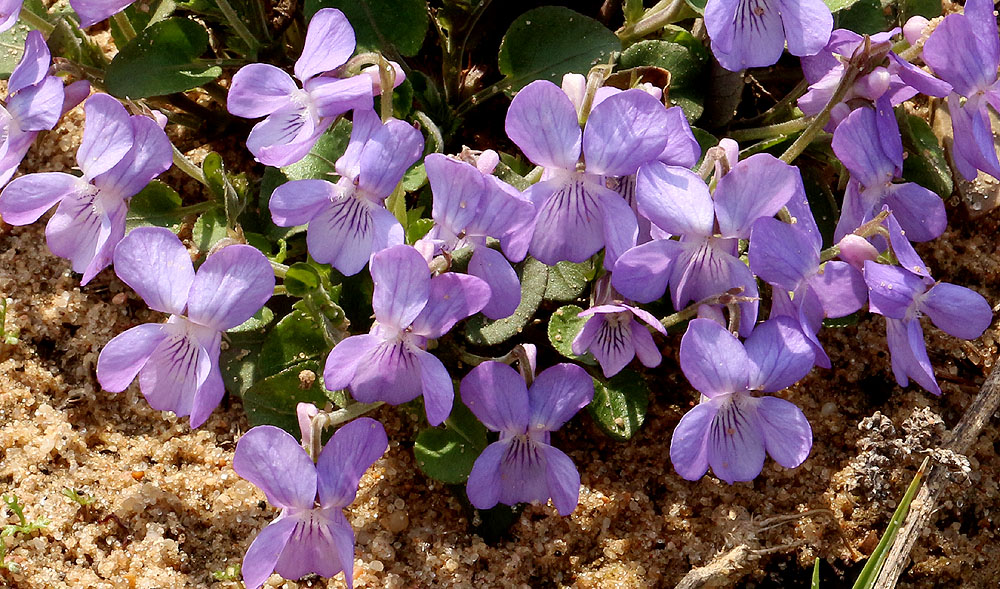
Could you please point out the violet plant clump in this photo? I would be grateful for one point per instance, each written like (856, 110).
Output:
(630, 220)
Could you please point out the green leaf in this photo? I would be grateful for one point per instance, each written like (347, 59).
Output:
(815, 577)
(926, 163)
(697, 5)
(301, 279)
(481, 331)
(845, 321)
(318, 163)
(381, 24)
(12, 48)
(272, 400)
(415, 178)
(547, 42)
(447, 454)
(417, 229)
(567, 280)
(162, 59)
(260, 321)
(838, 5)
(564, 325)
(865, 17)
(925, 8)
(209, 229)
(619, 405)
(294, 339)
(156, 204)
(238, 358)
(684, 59)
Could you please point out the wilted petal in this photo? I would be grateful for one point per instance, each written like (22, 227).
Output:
(329, 44)
(386, 157)
(350, 452)
(322, 542)
(260, 89)
(713, 360)
(123, 356)
(957, 310)
(497, 396)
(779, 355)
(624, 132)
(505, 289)
(271, 459)
(781, 254)
(563, 479)
(745, 34)
(807, 25)
(25, 199)
(557, 394)
(232, 285)
(402, 285)
(297, 202)
(736, 443)
(738, 200)
(920, 211)
(343, 360)
(675, 199)
(909, 354)
(107, 135)
(689, 442)
(642, 272)
(542, 121)
(157, 266)
(150, 156)
(787, 434)
(892, 289)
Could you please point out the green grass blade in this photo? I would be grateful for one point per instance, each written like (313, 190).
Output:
(815, 581)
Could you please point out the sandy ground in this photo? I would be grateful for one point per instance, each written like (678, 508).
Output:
(168, 510)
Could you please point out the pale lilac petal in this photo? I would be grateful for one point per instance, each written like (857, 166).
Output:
(123, 356)
(563, 479)
(386, 157)
(76, 93)
(542, 121)
(841, 289)
(682, 148)
(781, 254)
(689, 442)
(34, 64)
(980, 15)
(210, 392)
(744, 34)
(807, 25)
(903, 249)
(917, 78)
(157, 266)
(503, 211)
(452, 297)
(957, 310)
(674, 199)
(321, 543)
(585, 338)
(857, 143)
(624, 132)
(107, 135)
(738, 198)
(974, 147)
(85, 230)
(620, 227)
(388, 231)
(342, 234)
(151, 155)
(955, 54)
(111, 232)
(364, 124)
(642, 272)
(263, 553)
(437, 387)
(647, 317)
(332, 97)
(485, 483)
(891, 289)
(505, 289)
(713, 360)
(298, 202)
(707, 268)
(857, 208)
(232, 285)
(787, 434)
(350, 452)
(270, 458)
(735, 442)
(93, 11)
(343, 360)
(38, 108)
(570, 221)
(329, 44)
(557, 394)
(610, 343)
(810, 316)
(523, 472)
(919, 211)
(389, 372)
(10, 10)
(645, 348)
(402, 286)
(260, 89)
(25, 199)
(909, 354)
(457, 188)
(285, 136)
(174, 373)
(497, 396)
(779, 355)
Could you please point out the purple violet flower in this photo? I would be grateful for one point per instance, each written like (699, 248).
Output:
(522, 466)
(311, 534)
(178, 361)
(92, 12)
(35, 101)
(753, 33)
(964, 50)
(119, 156)
(612, 333)
(348, 221)
(703, 262)
(903, 296)
(731, 428)
(297, 117)
(10, 10)
(869, 144)
(471, 205)
(576, 214)
(391, 363)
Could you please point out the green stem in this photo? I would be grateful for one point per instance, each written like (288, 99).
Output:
(194, 209)
(125, 25)
(731, 296)
(769, 131)
(36, 22)
(481, 97)
(432, 129)
(241, 29)
(279, 269)
(187, 166)
(653, 21)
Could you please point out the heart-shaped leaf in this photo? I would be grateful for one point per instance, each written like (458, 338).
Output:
(162, 59)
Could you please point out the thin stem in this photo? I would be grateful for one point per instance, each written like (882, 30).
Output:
(187, 166)
(279, 269)
(731, 296)
(36, 22)
(781, 105)
(651, 22)
(432, 129)
(241, 29)
(769, 131)
(217, 92)
(194, 209)
(125, 25)
(481, 97)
